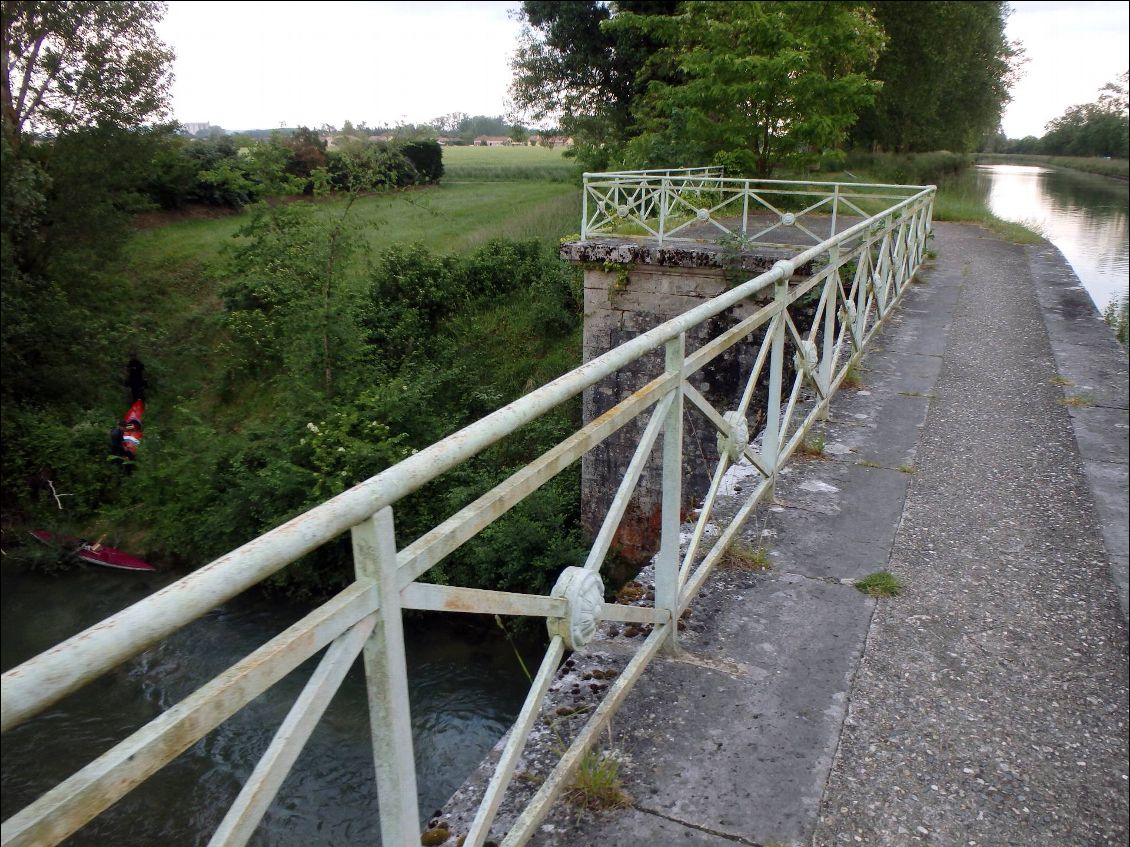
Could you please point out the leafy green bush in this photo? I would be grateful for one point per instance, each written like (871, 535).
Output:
(426, 156)
(437, 342)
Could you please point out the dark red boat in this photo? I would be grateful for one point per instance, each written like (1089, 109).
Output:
(94, 553)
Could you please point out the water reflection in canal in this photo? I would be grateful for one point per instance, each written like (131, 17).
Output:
(465, 688)
(1085, 216)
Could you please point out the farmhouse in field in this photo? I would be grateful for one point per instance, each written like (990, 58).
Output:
(493, 141)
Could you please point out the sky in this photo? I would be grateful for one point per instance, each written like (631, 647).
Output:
(1073, 50)
(259, 65)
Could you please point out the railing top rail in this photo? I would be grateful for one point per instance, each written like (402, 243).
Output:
(44, 679)
(725, 181)
(701, 169)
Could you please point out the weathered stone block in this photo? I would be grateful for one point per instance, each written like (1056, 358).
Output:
(630, 288)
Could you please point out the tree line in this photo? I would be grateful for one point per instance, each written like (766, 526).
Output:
(762, 85)
(1098, 128)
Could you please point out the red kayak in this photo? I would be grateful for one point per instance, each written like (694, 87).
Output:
(95, 554)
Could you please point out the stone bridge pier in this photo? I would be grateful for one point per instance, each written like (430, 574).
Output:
(631, 287)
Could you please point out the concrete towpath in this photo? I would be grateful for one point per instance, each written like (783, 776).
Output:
(987, 704)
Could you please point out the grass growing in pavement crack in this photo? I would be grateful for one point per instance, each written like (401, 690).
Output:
(906, 469)
(867, 463)
(739, 556)
(1060, 380)
(597, 785)
(1077, 400)
(880, 584)
(812, 447)
(852, 379)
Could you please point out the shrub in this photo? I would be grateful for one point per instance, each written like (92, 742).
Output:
(426, 156)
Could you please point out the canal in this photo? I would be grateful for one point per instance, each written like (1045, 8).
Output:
(466, 686)
(1084, 215)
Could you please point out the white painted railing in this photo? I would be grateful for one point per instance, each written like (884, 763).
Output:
(700, 204)
(862, 272)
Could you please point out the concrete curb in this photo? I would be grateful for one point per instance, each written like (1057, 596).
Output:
(1089, 357)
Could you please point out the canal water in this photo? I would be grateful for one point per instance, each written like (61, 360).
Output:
(1084, 215)
(465, 685)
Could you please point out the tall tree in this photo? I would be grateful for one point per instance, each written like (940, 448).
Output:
(571, 69)
(68, 64)
(946, 72)
(87, 74)
(759, 83)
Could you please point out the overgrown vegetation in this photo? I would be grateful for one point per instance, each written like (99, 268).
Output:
(1117, 315)
(292, 350)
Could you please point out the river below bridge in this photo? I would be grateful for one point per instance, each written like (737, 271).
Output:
(465, 685)
(1084, 215)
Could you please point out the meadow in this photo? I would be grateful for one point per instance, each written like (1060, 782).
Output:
(509, 163)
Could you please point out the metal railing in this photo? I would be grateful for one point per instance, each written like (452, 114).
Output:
(861, 273)
(700, 204)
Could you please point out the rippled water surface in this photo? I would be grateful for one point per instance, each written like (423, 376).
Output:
(1085, 216)
(465, 688)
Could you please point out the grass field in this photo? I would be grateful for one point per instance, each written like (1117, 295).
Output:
(445, 218)
(509, 163)
(176, 269)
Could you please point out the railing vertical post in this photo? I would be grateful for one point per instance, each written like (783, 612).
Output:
(831, 296)
(667, 563)
(584, 207)
(771, 441)
(835, 209)
(745, 208)
(664, 200)
(374, 558)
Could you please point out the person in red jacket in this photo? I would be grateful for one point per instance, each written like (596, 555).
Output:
(131, 437)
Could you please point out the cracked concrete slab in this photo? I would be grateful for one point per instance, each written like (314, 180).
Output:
(840, 535)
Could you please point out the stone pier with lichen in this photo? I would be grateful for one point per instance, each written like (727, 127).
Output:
(630, 287)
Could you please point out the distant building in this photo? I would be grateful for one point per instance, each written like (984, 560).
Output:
(197, 128)
(493, 141)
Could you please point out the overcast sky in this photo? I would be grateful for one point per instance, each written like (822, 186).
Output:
(259, 65)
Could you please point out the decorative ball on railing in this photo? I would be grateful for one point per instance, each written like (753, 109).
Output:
(622, 210)
(734, 444)
(788, 219)
(806, 359)
(583, 593)
(703, 214)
